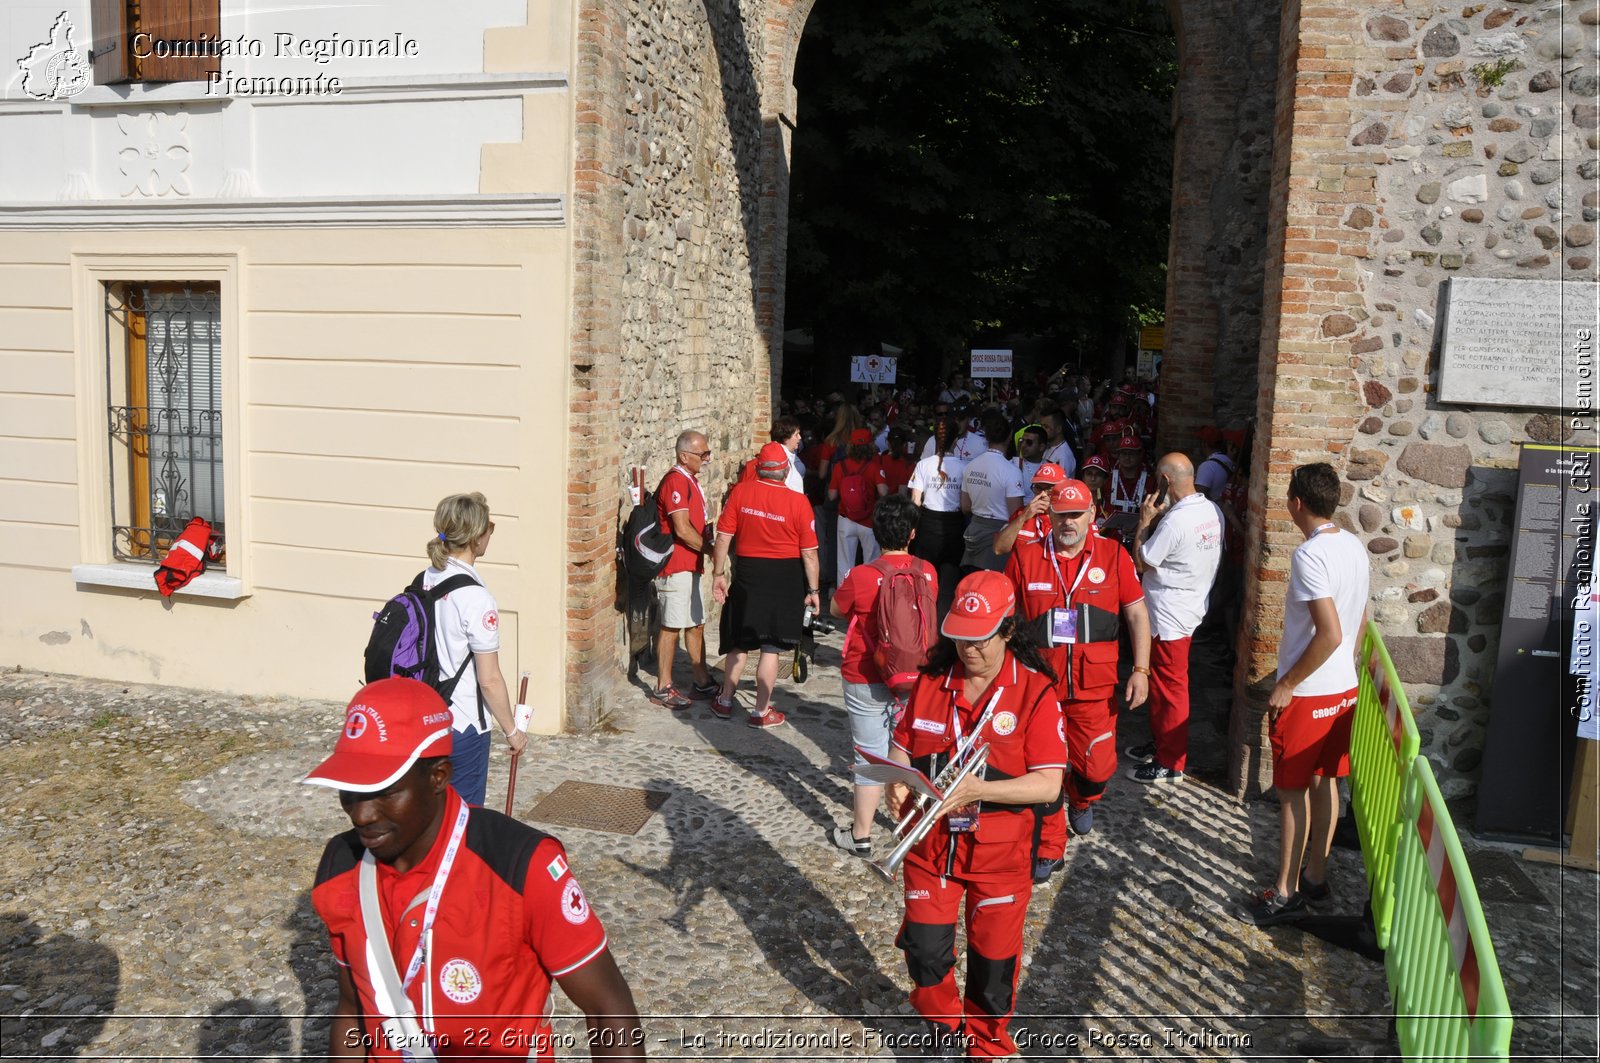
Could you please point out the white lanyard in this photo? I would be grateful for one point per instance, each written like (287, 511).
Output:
(983, 718)
(1061, 581)
(705, 508)
(1320, 528)
(457, 832)
(1118, 499)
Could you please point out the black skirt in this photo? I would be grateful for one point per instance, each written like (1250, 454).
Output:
(766, 603)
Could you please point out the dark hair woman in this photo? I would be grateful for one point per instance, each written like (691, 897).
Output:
(941, 526)
(977, 696)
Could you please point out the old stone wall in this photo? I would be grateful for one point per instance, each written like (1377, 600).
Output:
(681, 158)
(1426, 141)
(1222, 156)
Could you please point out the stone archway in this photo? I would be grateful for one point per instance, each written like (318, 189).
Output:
(1405, 147)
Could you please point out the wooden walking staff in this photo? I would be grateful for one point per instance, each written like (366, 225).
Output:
(520, 715)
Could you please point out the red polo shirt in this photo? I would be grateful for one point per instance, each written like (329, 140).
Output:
(1101, 575)
(766, 519)
(1025, 733)
(680, 492)
(511, 918)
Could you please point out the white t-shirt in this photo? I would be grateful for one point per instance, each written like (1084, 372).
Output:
(1181, 557)
(796, 478)
(1062, 455)
(1330, 564)
(992, 483)
(941, 496)
(971, 446)
(467, 621)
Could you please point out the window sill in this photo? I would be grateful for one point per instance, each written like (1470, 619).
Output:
(142, 578)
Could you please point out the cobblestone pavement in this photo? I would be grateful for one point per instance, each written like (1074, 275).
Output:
(158, 856)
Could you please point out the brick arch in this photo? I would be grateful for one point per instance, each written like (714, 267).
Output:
(1244, 301)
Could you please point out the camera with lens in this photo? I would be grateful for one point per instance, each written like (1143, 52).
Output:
(815, 624)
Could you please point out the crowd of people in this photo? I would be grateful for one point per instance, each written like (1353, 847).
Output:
(1014, 573)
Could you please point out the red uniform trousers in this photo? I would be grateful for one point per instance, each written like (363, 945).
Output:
(995, 909)
(1092, 754)
(1169, 701)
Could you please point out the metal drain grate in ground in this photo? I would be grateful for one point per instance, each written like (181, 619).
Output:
(1499, 879)
(618, 809)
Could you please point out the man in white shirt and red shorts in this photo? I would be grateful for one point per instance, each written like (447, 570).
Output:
(1313, 703)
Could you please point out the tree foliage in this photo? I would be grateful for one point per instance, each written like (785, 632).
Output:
(973, 166)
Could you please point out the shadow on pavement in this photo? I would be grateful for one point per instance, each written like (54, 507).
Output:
(792, 923)
(59, 990)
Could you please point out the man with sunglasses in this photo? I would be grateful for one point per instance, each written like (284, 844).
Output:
(1077, 588)
(681, 608)
(1030, 442)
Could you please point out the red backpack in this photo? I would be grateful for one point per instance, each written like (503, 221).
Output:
(856, 496)
(901, 629)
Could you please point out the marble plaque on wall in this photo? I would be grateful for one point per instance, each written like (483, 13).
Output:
(1518, 343)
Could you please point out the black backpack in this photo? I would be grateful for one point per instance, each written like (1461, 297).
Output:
(404, 639)
(646, 549)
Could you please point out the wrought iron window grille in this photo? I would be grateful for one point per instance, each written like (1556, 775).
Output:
(164, 361)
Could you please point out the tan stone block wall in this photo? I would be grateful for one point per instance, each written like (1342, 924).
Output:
(1393, 105)
(680, 205)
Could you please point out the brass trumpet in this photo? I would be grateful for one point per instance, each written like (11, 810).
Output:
(951, 772)
(932, 812)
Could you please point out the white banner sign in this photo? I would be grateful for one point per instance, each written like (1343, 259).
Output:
(872, 369)
(995, 364)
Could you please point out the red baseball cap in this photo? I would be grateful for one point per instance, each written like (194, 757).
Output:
(1129, 441)
(1070, 496)
(389, 726)
(1097, 462)
(859, 436)
(1048, 473)
(773, 456)
(983, 601)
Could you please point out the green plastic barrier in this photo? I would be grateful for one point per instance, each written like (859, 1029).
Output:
(1449, 1001)
(1383, 743)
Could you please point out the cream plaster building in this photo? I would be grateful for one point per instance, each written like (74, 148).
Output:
(358, 301)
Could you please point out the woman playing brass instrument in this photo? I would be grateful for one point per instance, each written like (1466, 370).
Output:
(987, 675)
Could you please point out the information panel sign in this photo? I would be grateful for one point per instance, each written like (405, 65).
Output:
(1537, 704)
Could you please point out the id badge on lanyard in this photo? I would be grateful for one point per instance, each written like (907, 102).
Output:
(1063, 627)
(964, 820)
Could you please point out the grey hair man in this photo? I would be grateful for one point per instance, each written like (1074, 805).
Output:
(683, 511)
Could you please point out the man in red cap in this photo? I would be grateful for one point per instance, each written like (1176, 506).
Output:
(1130, 482)
(981, 686)
(1095, 472)
(773, 532)
(1076, 588)
(1031, 522)
(447, 922)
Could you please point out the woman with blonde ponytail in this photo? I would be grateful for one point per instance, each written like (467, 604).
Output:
(467, 625)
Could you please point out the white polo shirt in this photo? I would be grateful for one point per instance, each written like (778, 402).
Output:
(1181, 558)
(990, 481)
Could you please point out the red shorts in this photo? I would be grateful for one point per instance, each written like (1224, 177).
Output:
(1312, 737)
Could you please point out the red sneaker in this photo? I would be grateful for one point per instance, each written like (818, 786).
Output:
(723, 710)
(770, 718)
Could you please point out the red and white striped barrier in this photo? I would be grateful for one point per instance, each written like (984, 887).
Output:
(1444, 881)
